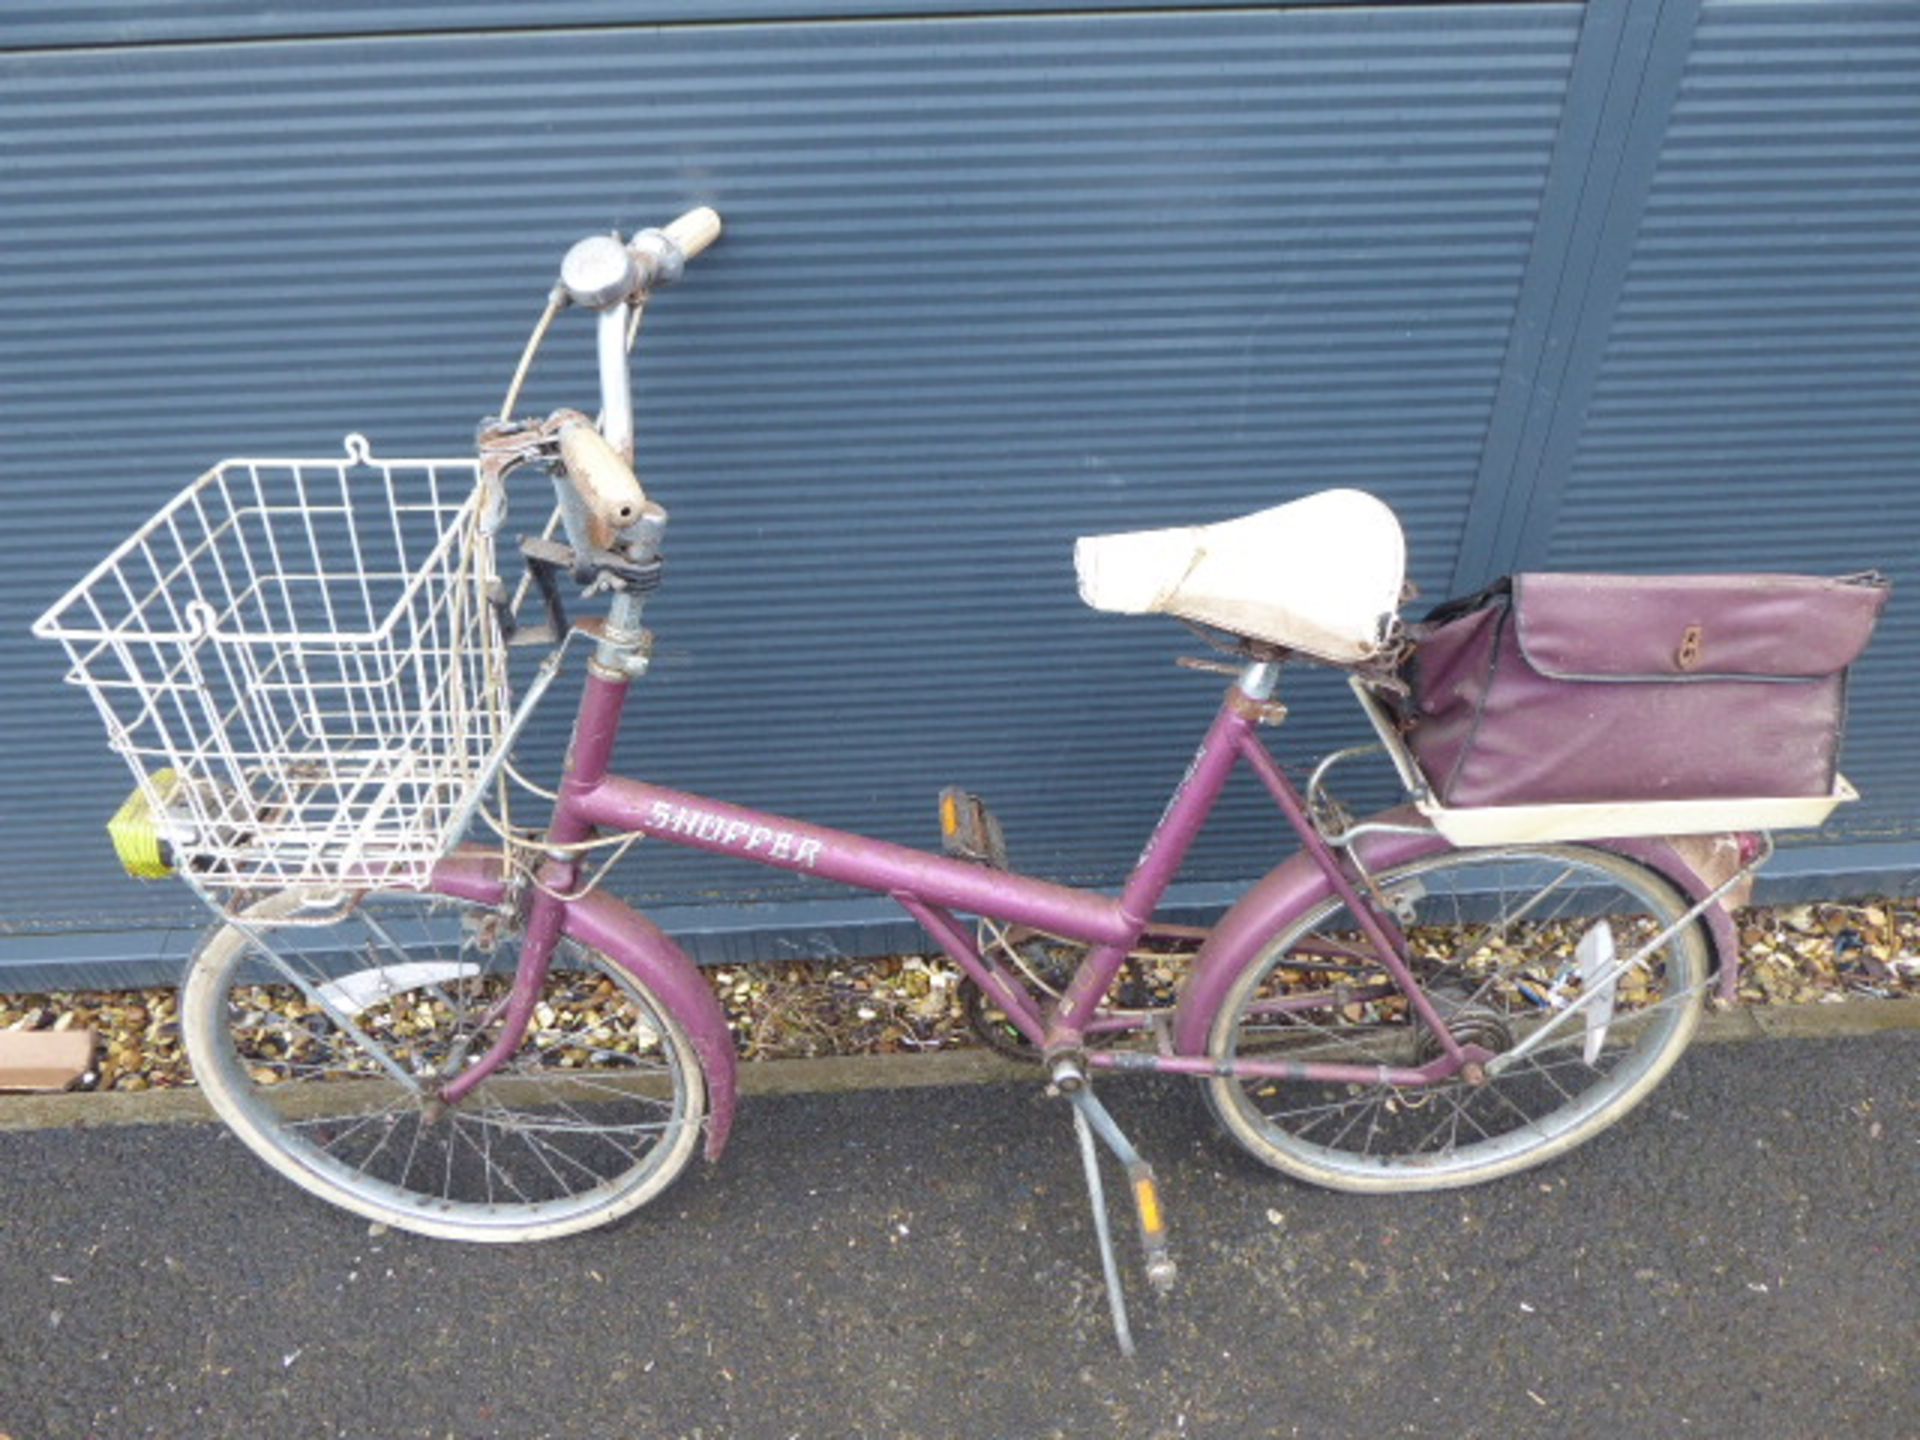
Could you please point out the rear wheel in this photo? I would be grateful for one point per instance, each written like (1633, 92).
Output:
(1502, 941)
(324, 1057)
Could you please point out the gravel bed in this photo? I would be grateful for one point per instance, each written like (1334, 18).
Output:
(1802, 954)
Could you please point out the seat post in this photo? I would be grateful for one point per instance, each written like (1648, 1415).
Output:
(1258, 679)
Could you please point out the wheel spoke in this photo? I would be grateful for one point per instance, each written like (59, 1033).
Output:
(537, 1138)
(529, 1140)
(382, 1144)
(362, 1120)
(413, 1149)
(485, 1150)
(1361, 1112)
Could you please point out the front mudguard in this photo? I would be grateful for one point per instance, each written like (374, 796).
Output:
(1297, 885)
(643, 950)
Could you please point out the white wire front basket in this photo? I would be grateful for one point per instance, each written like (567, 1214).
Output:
(298, 660)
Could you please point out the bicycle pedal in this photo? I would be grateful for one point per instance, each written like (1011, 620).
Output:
(1161, 1271)
(968, 830)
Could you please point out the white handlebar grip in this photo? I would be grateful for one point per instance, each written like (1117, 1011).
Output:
(694, 231)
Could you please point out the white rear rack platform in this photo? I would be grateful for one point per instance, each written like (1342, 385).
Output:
(1512, 824)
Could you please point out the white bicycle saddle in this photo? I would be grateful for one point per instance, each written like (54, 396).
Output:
(1321, 574)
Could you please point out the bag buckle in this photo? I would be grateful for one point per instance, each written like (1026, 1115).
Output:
(1688, 655)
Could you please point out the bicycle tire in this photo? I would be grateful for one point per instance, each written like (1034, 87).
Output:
(1376, 1138)
(590, 1123)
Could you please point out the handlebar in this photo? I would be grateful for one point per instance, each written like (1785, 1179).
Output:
(694, 231)
(599, 495)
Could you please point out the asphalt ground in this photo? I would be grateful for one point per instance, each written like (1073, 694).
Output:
(1739, 1258)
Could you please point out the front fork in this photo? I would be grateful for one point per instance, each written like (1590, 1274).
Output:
(620, 657)
(545, 914)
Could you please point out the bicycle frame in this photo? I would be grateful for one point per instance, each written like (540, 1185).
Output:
(932, 887)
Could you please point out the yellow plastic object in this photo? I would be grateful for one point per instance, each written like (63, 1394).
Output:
(1147, 1197)
(135, 831)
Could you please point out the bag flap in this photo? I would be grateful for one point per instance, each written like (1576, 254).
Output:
(1694, 627)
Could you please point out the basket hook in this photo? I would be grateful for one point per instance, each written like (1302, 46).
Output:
(201, 618)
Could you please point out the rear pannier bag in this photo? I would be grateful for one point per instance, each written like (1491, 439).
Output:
(1557, 689)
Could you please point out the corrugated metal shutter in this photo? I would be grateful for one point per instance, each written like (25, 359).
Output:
(988, 284)
(33, 23)
(1758, 403)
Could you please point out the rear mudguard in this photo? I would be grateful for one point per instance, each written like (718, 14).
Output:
(639, 947)
(1298, 885)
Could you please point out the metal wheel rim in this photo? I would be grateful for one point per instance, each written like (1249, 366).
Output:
(327, 1174)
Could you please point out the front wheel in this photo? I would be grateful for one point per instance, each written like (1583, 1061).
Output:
(1501, 941)
(322, 1044)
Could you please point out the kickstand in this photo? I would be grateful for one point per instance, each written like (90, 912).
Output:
(1090, 1118)
(1097, 1197)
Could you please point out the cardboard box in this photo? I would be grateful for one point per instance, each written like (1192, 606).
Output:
(44, 1059)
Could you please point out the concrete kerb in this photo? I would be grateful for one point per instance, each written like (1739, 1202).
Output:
(958, 1067)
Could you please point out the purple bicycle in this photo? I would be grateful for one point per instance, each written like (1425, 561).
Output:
(305, 662)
